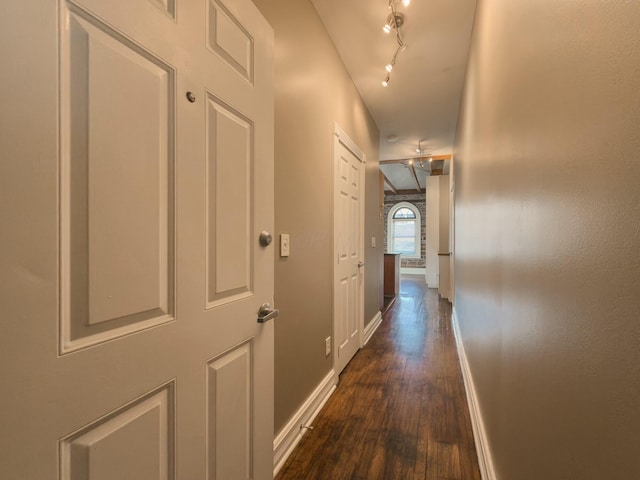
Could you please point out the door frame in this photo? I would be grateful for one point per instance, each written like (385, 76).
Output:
(340, 137)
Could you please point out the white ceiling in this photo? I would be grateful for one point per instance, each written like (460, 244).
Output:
(423, 96)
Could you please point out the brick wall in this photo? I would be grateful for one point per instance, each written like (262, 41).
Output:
(419, 200)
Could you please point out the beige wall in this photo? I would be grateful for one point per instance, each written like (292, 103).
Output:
(548, 235)
(313, 92)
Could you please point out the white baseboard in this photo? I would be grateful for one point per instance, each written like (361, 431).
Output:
(479, 433)
(372, 327)
(413, 271)
(290, 435)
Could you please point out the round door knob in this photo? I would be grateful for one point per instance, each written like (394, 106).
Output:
(265, 238)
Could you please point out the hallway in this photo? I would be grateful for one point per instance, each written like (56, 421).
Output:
(400, 410)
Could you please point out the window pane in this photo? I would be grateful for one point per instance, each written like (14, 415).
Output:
(404, 228)
(404, 245)
(404, 237)
(404, 213)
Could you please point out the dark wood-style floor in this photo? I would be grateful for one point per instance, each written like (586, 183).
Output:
(400, 410)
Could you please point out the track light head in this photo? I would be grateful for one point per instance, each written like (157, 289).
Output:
(394, 20)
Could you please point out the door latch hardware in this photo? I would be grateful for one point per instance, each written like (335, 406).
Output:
(266, 313)
(265, 238)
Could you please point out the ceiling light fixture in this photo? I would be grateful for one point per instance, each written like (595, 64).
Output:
(395, 20)
(421, 154)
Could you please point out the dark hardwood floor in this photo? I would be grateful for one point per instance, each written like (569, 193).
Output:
(400, 410)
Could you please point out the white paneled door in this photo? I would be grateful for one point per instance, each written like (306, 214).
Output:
(136, 176)
(348, 247)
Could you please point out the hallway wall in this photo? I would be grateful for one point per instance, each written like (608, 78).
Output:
(313, 91)
(548, 236)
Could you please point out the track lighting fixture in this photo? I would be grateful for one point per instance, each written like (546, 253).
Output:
(420, 153)
(395, 20)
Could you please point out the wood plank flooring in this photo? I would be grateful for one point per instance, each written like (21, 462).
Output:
(400, 410)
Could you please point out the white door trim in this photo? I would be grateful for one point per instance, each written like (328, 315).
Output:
(340, 137)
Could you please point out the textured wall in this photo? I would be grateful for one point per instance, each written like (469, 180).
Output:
(313, 92)
(548, 235)
(419, 200)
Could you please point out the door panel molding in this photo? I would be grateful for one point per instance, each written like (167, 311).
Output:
(229, 39)
(138, 439)
(230, 209)
(116, 197)
(229, 393)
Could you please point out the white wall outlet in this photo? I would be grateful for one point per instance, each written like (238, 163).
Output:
(284, 245)
(327, 346)
(373, 242)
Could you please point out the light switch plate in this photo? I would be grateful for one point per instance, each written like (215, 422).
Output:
(284, 245)
(373, 242)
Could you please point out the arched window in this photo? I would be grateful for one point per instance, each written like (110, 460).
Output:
(403, 230)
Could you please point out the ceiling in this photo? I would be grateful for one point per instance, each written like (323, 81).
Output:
(421, 102)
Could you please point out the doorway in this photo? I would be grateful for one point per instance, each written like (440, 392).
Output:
(348, 290)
